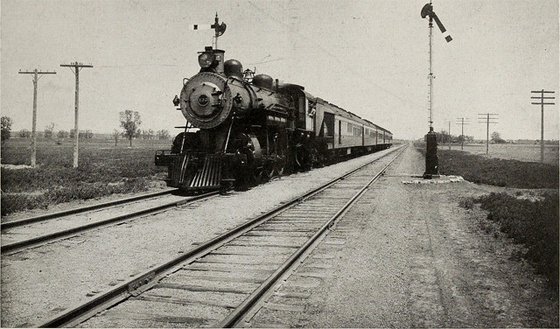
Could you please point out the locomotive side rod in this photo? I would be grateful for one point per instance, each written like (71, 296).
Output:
(144, 281)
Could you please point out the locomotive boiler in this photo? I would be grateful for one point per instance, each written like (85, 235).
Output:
(242, 129)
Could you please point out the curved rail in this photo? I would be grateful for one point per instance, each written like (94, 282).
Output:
(150, 278)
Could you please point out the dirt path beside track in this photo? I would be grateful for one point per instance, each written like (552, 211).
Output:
(409, 256)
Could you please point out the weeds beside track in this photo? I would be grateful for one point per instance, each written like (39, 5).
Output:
(533, 223)
(104, 170)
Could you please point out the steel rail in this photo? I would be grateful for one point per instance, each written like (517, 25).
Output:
(237, 314)
(68, 232)
(147, 279)
(63, 213)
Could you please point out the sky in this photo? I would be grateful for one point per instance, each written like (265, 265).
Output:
(369, 57)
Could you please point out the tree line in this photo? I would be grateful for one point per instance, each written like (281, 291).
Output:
(443, 137)
(130, 122)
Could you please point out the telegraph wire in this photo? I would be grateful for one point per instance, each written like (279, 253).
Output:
(350, 69)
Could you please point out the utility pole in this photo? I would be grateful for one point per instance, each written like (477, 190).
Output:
(77, 67)
(462, 122)
(449, 132)
(542, 97)
(488, 118)
(36, 78)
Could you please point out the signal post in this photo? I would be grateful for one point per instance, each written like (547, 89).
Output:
(431, 138)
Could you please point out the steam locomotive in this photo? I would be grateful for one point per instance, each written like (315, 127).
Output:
(242, 129)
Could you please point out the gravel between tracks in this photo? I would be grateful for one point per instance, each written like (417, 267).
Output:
(410, 256)
(39, 283)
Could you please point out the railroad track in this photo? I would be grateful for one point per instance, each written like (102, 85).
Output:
(31, 232)
(221, 281)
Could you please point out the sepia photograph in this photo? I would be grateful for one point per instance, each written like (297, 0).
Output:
(279, 163)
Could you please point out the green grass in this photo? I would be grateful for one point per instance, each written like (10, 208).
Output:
(532, 223)
(103, 170)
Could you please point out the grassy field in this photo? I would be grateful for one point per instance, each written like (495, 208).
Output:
(521, 152)
(496, 171)
(499, 172)
(103, 170)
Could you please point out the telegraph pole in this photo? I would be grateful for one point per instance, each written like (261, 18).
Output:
(34, 124)
(449, 132)
(542, 97)
(488, 118)
(77, 67)
(462, 122)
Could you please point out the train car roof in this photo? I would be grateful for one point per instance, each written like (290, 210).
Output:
(342, 112)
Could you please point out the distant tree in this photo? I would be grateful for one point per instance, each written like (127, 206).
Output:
(49, 130)
(6, 128)
(496, 138)
(72, 133)
(130, 122)
(116, 135)
(87, 134)
(163, 134)
(147, 134)
(443, 137)
(62, 134)
(24, 133)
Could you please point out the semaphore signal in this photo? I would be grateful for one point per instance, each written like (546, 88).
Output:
(431, 137)
(218, 28)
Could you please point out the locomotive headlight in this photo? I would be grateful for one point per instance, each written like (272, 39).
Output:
(205, 60)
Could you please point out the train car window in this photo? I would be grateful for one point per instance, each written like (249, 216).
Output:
(339, 132)
(357, 131)
(350, 128)
(328, 125)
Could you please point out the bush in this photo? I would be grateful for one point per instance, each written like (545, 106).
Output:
(532, 223)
